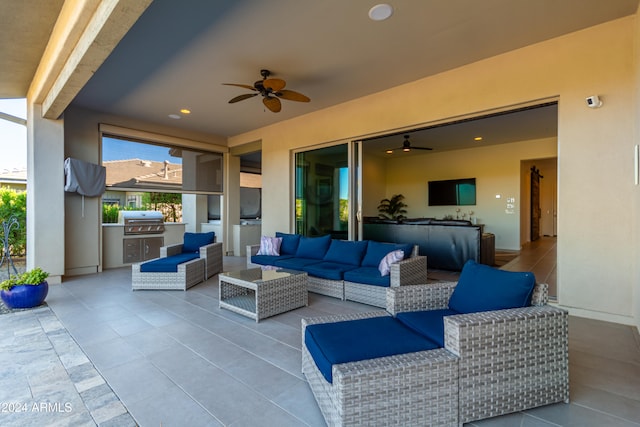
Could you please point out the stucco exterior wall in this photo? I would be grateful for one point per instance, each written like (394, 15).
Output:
(82, 140)
(597, 254)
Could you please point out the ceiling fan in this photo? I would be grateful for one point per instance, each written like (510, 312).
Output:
(272, 90)
(406, 146)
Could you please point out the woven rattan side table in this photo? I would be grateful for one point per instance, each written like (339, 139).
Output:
(258, 293)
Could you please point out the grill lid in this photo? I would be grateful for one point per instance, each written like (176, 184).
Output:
(154, 215)
(141, 222)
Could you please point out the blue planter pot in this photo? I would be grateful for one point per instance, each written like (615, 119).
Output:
(25, 296)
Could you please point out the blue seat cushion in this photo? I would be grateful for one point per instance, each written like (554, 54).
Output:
(295, 263)
(429, 323)
(346, 251)
(193, 241)
(367, 276)
(167, 264)
(484, 288)
(355, 340)
(328, 270)
(268, 259)
(313, 247)
(289, 244)
(377, 250)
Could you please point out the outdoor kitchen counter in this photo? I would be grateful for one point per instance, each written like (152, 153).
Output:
(113, 240)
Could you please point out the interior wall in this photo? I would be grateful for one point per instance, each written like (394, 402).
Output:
(374, 178)
(594, 147)
(496, 169)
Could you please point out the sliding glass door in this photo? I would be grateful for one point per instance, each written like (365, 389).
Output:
(324, 192)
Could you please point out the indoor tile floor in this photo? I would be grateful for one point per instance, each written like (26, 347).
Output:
(174, 358)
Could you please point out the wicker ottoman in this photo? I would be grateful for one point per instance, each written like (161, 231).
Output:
(189, 274)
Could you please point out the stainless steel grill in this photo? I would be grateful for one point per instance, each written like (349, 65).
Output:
(141, 222)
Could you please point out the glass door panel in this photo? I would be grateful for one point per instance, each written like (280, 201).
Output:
(322, 192)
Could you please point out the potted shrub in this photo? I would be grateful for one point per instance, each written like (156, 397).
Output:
(393, 208)
(25, 290)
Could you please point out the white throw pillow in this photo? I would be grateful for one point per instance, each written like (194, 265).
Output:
(390, 258)
(270, 246)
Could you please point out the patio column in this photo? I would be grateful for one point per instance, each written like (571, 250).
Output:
(231, 203)
(45, 193)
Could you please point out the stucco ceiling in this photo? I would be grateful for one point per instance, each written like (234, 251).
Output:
(178, 54)
(25, 27)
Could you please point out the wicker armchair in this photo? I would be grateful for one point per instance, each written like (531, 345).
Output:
(188, 274)
(419, 388)
(509, 360)
(212, 255)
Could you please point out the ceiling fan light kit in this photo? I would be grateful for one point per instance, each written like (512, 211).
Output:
(406, 147)
(272, 90)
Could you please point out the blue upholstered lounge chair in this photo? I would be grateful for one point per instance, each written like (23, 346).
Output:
(484, 346)
(180, 266)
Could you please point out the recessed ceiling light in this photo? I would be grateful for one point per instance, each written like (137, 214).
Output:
(380, 12)
(185, 111)
(477, 138)
(175, 116)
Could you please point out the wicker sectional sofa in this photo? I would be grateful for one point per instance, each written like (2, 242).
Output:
(345, 269)
(490, 363)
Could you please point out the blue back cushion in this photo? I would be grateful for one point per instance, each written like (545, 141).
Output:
(429, 323)
(377, 250)
(346, 252)
(193, 241)
(167, 264)
(351, 341)
(484, 288)
(313, 247)
(289, 244)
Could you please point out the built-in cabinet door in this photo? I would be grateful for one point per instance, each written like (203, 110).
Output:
(139, 249)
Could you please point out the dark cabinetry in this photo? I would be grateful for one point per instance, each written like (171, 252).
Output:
(447, 246)
(139, 249)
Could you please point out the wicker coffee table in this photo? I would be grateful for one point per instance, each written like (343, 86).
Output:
(258, 293)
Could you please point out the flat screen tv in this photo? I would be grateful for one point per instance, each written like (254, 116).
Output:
(452, 192)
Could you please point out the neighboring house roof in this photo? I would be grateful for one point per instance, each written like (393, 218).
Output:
(142, 173)
(13, 177)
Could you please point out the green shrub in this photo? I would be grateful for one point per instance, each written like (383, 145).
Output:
(110, 213)
(14, 204)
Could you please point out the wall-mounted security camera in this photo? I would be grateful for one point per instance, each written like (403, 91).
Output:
(594, 101)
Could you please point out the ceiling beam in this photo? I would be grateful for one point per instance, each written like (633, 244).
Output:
(13, 119)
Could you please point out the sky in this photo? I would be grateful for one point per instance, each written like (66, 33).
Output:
(13, 142)
(13, 137)
(117, 149)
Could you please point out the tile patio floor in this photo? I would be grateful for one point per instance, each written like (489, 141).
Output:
(159, 358)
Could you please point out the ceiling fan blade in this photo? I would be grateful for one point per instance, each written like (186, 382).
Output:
(292, 95)
(274, 84)
(421, 148)
(242, 97)
(240, 85)
(272, 103)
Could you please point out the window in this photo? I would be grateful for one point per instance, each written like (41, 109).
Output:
(151, 176)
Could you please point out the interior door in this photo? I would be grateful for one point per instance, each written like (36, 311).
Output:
(536, 212)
